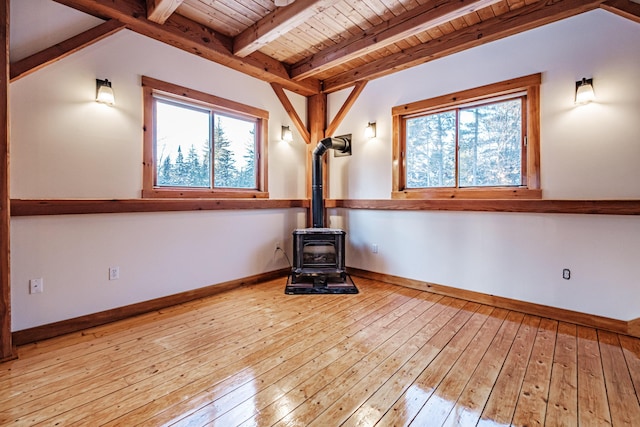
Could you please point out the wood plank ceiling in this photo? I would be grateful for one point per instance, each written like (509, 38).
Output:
(313, 46)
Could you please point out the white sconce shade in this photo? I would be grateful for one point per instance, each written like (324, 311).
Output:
(584, 91)
(370, 130)
(287, 135)
(281, 3)
(104, 92)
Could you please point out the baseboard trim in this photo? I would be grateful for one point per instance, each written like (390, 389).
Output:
(631, 327)
(76, 324)
(634, 327)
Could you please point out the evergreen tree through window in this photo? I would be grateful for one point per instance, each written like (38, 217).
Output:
(201, 149)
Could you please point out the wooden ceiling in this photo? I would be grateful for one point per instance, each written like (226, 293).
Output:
(314, 46)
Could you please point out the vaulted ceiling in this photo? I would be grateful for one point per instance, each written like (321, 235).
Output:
(314, 46)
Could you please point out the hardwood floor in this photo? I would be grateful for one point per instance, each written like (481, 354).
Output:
(387, 356)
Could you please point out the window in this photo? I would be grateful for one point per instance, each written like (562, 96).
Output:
(480, 143)
(200, 145)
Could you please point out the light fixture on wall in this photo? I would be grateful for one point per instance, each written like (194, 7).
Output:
(104, 92)
(287, 135)
(370, 130)
(584, 91)
(281, 3)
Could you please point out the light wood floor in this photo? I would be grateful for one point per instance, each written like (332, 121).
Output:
(387, 356)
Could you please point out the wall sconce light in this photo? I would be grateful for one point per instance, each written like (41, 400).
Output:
(584, 91)
(370, 130)
(287, 135)
(104, 92)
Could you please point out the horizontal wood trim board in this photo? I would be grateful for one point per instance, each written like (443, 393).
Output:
(600, 207)
(24, 207)
(634, 327)
(619, 326)
(62, 327)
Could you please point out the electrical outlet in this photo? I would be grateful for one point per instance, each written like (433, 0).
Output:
(566, 274)
(374, 248)
(114, 273)
(36, 286)
(278, 246)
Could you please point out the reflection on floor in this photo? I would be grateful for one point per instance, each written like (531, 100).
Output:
(387, 356)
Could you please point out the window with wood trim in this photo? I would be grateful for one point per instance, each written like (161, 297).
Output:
(201, 145)
(479, 143)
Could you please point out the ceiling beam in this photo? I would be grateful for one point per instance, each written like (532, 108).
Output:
(277, 23)
(417, 20)
(519, 20)
(41, 59)
(160, 10)
(629, 9)
(194, 38)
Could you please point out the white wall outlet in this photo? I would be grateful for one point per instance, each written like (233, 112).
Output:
(114, 273)
(374, 248)
(566, 274)
(36, 286)
(278, 246)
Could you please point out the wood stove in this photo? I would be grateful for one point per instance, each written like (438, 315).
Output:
(318, 253)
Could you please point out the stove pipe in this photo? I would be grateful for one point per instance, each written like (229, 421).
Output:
(341, 144)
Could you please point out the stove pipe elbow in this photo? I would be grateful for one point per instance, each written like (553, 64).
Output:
(340, 144)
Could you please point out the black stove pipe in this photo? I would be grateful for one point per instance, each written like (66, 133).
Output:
(317, 198)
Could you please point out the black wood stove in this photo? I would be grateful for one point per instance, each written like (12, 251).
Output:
(318, 252)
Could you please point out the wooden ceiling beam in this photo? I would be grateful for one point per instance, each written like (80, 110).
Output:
(625, 8)
(194, 38)
(160, 10)
(61, 50)
(510, 23)
(414, 21)
(277, 23)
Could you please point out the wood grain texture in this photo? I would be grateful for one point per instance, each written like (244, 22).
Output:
(625, 8)
(555, 313)
(23, 207)
(291, 111)
(594, 207)
(39, 60)
(397, 28)
(188, 35)
(50, 330)
(348, 103)
(6, 349)
(623, 404)
(253, 355)
(506, 24)
(562, 408)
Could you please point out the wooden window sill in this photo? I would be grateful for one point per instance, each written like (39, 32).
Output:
(468, 193)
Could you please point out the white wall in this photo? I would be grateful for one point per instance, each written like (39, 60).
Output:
(65, 145)
(590, 152)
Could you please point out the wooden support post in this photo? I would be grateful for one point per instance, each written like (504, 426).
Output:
(317, 118)
(6, 347)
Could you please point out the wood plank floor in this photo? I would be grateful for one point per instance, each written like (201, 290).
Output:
(254, 356)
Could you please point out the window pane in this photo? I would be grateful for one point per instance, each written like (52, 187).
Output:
(182, 146)
(235, 152)
(431, 149)
(490, 138)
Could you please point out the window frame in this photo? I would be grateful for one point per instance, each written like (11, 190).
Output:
(152, 87)
(529, 86)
